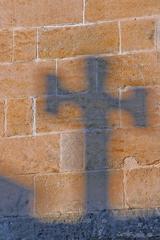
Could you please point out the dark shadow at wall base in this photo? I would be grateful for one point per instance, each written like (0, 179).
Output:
(98, 226)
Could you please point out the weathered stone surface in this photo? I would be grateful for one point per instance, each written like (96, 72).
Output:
(49, 12)
(25, 45)
(115, 148)
(25, 79)
(148, 111)
(19, 117)
(91, 191)
(67, 116)
(6, 46)
(72, 151)
(132, 70)
(6, 9)
(104, 190)
(142, 188)
(107, 10)
(143, 145)
(138, 34)
(2, 117)
(80, 40)
(29, 155)
(72, 74)
(51, 190)
(16, 200)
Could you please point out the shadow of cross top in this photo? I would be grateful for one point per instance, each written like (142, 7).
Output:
(96, 103)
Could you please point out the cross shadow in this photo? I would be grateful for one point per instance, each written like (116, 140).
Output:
(98, 222)
(96, 104)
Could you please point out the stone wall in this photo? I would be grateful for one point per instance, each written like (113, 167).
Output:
(79, 119)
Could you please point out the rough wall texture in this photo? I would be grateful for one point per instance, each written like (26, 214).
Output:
(60, 161)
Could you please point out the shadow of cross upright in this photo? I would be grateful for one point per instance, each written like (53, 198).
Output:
(96, 103)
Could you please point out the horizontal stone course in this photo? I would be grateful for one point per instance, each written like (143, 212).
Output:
(78, 40)
(25, 79)
(52, 189)
(31, 155)
(107, 10)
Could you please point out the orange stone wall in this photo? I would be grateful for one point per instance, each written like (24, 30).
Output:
(45, 153)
